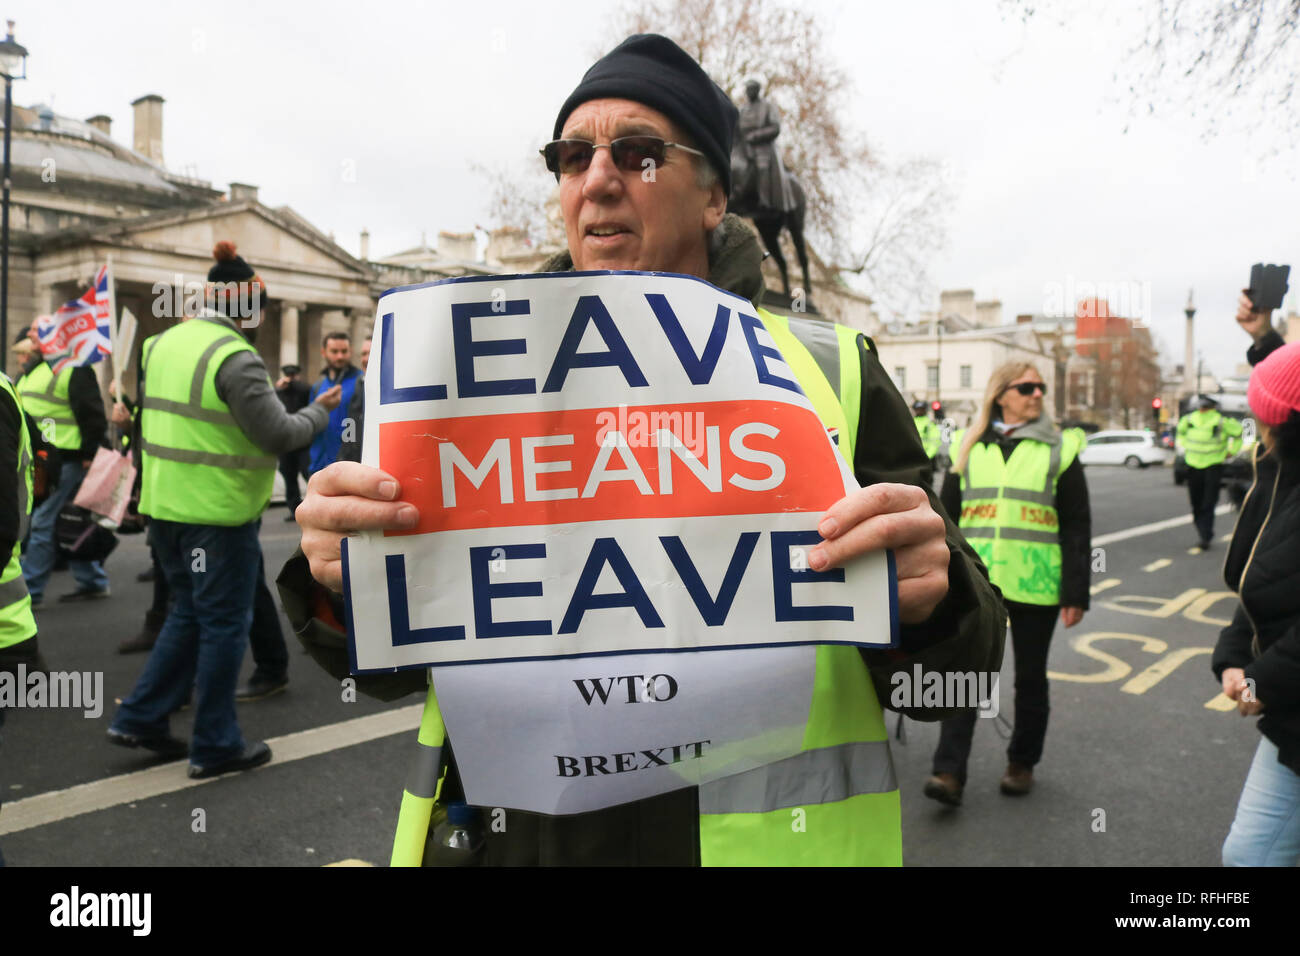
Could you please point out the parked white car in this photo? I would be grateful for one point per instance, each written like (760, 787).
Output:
(1131, 449)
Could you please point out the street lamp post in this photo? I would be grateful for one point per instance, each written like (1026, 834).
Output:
(13, 65)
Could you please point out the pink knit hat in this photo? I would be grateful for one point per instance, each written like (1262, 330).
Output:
(1274, 391)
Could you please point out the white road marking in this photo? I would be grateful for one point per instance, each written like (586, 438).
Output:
(1151, 528)
(1157, 564)
(45, 808)
(1105, 585)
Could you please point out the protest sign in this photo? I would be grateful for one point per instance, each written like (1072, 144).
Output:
(618, 479)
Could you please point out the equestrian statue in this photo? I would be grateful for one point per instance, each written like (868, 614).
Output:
(761, 188)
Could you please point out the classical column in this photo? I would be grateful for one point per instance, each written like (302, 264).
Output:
(289, 334)
(362, 320)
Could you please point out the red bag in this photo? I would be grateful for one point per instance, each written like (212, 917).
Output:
(106, 489)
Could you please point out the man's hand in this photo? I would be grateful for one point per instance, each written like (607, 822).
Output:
(330, 397)
(1071, 616)
(281, 382)
(1258, 324)
(343, 498)
(120, 415)
(892, 516)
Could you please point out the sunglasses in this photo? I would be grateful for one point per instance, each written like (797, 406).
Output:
(1028, 388)
(631, 154)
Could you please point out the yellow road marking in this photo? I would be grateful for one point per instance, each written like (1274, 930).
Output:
(1105, 585)
(1221, 702)
(1157, 564)
(1161, 669)
(350, 862)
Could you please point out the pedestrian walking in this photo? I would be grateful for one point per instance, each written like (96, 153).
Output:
(69, 411)
(1257, 658)
(1208, 438)
(1018, 486)
(211, 429)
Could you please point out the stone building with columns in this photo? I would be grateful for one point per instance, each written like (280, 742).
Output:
(80, 197)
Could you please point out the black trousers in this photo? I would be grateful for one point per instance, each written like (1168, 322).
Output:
(1203, 490)
(1031, 635)
(293, 464)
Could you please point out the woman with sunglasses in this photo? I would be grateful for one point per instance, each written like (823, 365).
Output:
(1018, 485)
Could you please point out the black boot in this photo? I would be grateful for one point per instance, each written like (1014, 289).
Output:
(148, 636)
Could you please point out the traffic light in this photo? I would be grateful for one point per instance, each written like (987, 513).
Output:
(1156, 405)
(937, 408)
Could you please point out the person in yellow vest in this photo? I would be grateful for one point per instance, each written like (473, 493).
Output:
(676, 221)
(927, 428)
(1208, 439)
(19, 651)
(1018, 486)
(69, 411)
(211, 428)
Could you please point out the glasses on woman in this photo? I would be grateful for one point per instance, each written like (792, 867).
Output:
(631, 154)
(1028, 388)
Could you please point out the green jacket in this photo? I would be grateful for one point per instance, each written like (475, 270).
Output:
(966, 631)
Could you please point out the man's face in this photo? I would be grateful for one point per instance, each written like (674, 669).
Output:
(1022, 408)
(337, 352)
(751, 91)
(365, 354)
(32, 336)
(647, 220)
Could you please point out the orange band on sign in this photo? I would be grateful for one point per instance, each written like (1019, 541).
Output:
(591, 464)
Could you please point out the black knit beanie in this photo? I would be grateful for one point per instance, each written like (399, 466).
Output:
(652, 69)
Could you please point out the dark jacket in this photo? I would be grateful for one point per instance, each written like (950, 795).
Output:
(350, 447)
(965, 632)
(1263, 568)
(294, 396)
(88, 409)
(1072, 511)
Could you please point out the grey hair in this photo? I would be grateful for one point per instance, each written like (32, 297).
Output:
(706, 177)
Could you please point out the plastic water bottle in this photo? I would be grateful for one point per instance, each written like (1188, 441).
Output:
(457, 839)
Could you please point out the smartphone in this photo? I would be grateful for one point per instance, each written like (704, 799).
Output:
(1268, 286)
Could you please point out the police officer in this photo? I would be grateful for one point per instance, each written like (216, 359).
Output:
(1019, 488)
(1207, 438)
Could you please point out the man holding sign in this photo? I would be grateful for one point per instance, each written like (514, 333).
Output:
(626, 531)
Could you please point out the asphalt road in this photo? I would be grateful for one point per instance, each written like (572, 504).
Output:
(1130, 736)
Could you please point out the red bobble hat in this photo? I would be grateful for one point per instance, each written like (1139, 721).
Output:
(1274, 391)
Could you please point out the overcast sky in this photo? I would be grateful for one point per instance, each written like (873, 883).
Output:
(369, 115)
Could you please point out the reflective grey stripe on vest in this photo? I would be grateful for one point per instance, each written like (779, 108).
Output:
(1053, 465)
(823, 343)
(1014, 534)
(11, 592)
(197, 412)
(422, 778)
(187, 457)
(201, 369)
(24, 515)
(1018, 494)
(825, 775)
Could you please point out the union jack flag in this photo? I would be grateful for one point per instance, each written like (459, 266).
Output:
(79, 333)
